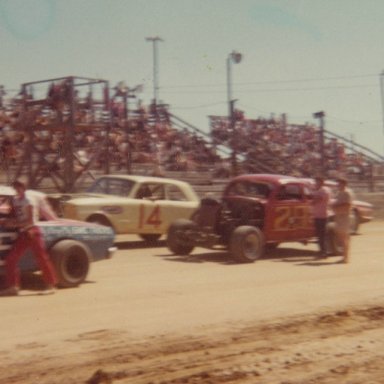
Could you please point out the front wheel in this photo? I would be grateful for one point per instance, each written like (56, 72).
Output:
(179, 236)
(71, 260)
(246, 244)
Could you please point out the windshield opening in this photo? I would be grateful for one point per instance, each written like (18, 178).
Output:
(110, 186)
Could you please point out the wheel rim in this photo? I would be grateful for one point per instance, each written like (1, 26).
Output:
(76, 266)
(252, 246)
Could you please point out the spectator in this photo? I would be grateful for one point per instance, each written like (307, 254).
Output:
(342, 208)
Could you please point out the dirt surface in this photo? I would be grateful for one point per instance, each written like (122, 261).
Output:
(149, 317)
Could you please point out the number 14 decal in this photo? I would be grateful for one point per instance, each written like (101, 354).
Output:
(153, 218)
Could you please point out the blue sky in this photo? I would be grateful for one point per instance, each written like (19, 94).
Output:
(299, 56)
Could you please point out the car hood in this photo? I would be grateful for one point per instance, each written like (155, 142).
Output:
(70, 196)
(92, 199)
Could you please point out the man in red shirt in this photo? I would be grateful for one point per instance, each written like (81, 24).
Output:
(24, 220)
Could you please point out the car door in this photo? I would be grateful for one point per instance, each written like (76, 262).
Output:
(146, 210)
(175, 205)
(290, 214)
(160, 205)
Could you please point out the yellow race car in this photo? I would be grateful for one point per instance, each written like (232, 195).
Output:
(130, 204)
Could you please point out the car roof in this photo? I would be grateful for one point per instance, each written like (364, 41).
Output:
(144, 179)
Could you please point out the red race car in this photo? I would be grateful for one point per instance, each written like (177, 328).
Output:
(256, 212)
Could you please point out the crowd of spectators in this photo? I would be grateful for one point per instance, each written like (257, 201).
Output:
(104, 130)
(111, 130)
(291, 149)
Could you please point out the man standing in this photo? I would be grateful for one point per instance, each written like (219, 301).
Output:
(321, 198)
(342, 207)
(24, 220)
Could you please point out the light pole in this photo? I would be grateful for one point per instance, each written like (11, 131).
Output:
(320, 115)
(233, 57)
(126, 93)
(154, 41)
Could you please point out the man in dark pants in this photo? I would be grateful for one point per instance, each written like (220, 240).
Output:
(321, 201)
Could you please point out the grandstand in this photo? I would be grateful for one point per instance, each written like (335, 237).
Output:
(62, 133)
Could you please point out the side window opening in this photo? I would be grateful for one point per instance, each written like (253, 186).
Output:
(290, 192)
(175, 193)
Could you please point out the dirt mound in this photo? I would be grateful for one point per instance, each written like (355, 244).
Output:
(329, 347)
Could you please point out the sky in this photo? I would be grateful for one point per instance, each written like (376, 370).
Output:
(298, 56)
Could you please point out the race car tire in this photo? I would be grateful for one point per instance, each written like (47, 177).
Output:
(246, 244)
(150, 238)
(177, 238)
(332, 244)
(71, 260)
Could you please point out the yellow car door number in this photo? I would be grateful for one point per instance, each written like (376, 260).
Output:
(153, 217)
(292, 217)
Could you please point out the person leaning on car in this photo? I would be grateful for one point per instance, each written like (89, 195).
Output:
(42, 210)
(320, 203)
(24, 218)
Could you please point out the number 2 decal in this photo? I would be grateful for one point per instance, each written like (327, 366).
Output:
(291, 218)
(153, 218)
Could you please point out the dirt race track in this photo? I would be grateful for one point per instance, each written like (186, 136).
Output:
(149, 317)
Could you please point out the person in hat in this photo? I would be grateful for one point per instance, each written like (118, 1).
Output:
(24, 220)
(321, 205)
(342, 208)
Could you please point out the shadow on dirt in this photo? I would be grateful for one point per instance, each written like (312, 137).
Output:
(291, 255)
(137, 244)
(208, 257)
(33, 281)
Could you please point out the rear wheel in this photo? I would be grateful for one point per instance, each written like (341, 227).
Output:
(71, 260)
(246, 244)
(179, 236)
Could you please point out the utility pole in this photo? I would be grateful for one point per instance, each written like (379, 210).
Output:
(155, 40)
(320, 115)
(126, 93)
(233, 57)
